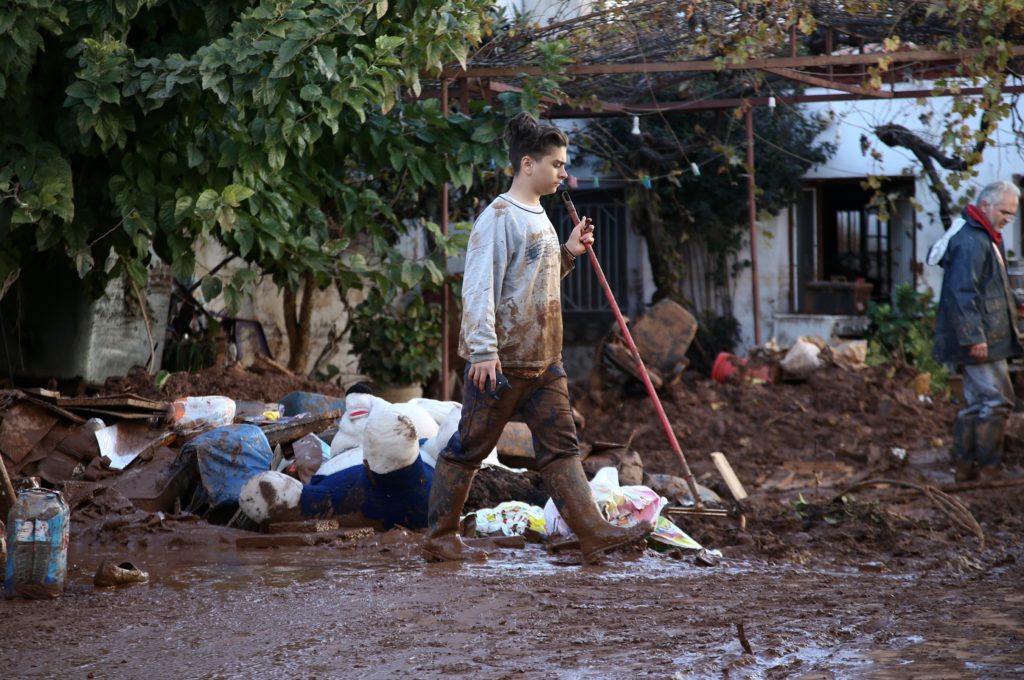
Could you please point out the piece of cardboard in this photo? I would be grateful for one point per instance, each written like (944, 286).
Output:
(24, 425)
(155, 485)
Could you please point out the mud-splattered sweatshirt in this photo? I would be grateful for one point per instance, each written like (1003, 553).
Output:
(511, 297)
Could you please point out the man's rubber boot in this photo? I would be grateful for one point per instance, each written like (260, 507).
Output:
(448, 493)
(567, 484)
(964, 443)
(989, 435)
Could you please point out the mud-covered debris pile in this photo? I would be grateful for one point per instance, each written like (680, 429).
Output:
(258, 383)
(838, 414)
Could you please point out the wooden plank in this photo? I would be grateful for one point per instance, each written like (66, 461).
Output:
(288, 431)
(731, 480)
(114, 401)
(828, 83)
(113, 413)
(73, 417)
(40, 393)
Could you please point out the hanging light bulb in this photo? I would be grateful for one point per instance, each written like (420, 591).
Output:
(636, 125)
(771, 102)
(695, 168)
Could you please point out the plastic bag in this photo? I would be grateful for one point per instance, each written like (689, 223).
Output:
(803, 357)
(620, 505)
(851, 354)
(389, 441)
(438, 410)
(350, 428)
(360, 406)
(226, 458)
(433, 447)
(511, 518)
(667, 533)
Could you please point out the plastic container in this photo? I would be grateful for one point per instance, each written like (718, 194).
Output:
(191, 415)
(727, 365)
(37, 542)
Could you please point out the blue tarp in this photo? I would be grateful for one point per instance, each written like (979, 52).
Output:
(312, 403)
(396, 498)
(227, 457)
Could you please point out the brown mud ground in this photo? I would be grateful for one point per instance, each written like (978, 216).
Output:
(889, 580)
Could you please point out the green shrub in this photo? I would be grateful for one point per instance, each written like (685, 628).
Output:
(397, 338)
(903, 333)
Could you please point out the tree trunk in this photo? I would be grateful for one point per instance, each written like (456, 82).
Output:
(297, 323)
(667, 264)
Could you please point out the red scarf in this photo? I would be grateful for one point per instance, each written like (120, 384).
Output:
(979, 217)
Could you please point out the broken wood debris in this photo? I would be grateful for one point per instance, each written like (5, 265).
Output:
(662, 336)
(288, 431)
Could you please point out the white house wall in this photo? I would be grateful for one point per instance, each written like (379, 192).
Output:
(545, 11)
(265, 305)
(1001, 160)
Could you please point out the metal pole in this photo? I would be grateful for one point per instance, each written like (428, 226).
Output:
(753, 226)
(446, 292)
(791, 243)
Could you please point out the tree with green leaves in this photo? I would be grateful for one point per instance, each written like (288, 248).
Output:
(140, 129)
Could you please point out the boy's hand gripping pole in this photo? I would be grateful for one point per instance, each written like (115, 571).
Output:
(673, 442)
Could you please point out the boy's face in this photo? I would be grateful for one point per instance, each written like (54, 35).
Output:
(546, 174)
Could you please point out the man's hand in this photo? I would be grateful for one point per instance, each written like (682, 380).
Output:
(582, 235)
(979, 352)
(480, 372)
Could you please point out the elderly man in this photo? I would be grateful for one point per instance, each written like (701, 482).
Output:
(977, 327)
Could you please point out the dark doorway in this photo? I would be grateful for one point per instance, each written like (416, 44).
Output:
(845, 240)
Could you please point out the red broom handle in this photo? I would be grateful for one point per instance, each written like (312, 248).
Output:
(669, 433)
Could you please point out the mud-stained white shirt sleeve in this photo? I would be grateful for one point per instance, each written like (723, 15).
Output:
(486, 261)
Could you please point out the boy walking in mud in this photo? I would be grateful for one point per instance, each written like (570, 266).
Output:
(512, 329)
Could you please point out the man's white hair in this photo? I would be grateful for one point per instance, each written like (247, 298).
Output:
(991, 194)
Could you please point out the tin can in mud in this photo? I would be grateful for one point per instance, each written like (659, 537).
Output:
(37, 545)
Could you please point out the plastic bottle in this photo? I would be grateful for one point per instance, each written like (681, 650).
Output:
(37, 544)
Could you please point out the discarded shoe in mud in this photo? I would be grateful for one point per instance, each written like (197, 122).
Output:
(111, 574)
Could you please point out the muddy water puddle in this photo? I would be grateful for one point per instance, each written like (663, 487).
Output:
(379, 612)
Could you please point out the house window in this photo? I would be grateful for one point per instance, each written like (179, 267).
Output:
(861, 250)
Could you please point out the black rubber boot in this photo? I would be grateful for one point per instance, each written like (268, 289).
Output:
(567, 484)
(964, 444)
(989, 435)
(448, 493)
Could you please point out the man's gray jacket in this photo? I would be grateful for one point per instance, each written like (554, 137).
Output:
(976, 304)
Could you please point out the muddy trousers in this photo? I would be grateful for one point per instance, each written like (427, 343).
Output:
(543, 404)
(980, 427)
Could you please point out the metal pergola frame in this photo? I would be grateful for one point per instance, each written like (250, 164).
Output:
(842, 73)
